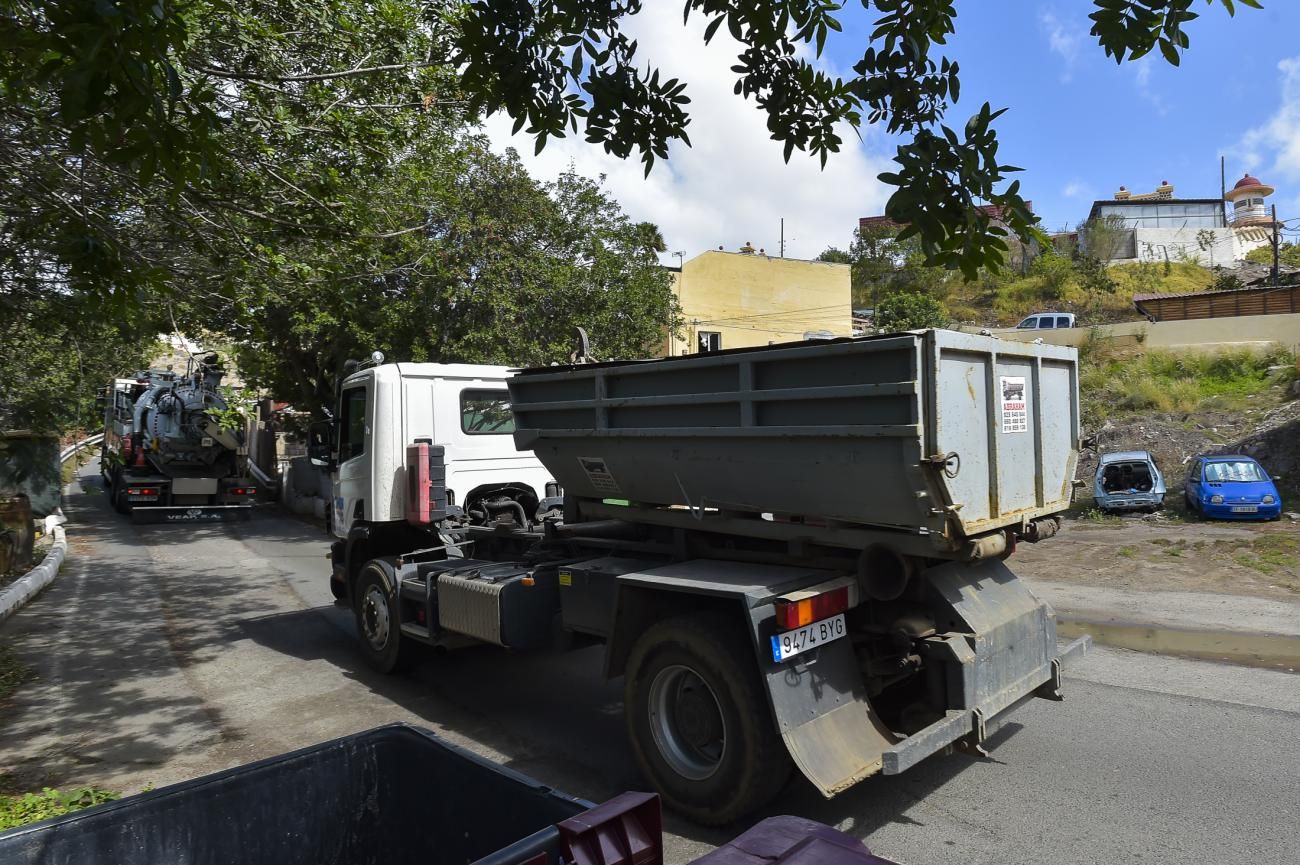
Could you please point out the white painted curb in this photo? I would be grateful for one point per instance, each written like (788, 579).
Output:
(30, 584)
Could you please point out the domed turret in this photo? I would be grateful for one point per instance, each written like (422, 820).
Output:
(1247, 198)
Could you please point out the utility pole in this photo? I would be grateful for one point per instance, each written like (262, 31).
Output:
(1277, 247)
(783, 237)
(1223, 187)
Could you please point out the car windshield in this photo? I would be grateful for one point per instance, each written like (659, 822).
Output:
(1242, 471)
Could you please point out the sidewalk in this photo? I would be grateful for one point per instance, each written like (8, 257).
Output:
(1235, 628)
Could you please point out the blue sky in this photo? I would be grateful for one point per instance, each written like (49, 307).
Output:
(1079, 124)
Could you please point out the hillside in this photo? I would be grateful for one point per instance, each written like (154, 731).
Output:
(1055, 283)
(1178, 406)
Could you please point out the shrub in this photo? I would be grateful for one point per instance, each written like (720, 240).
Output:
(910, 311)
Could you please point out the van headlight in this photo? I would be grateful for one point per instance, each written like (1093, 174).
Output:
(1268, 500)
(1216, 500)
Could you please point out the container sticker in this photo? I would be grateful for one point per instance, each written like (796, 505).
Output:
(1015, 414)
(566, 578)
(598, 473)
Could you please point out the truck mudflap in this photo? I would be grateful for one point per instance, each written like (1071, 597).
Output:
(997, 650)
(145, 515)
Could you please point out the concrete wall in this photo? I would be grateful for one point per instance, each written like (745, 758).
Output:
(757, 299)
(1233, 333)
(1182, 244)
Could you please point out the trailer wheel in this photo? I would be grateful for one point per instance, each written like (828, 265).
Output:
(699, 721)
(378, 618)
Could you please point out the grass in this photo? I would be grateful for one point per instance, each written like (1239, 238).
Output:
(23, 808)
(1271, 554)
(13, 672)
(1099, 517)
(1006, 302)
(1127, 552)
(1166, 382)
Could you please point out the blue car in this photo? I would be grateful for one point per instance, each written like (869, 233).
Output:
(1128, 481)
(1232, 488)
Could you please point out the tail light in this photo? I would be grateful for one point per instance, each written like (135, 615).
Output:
(797, 609)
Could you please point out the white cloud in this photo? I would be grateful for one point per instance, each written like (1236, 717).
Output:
(1142, 76)
(732, 186)
(1274, 146)
(1063, 41)
(1077, 189)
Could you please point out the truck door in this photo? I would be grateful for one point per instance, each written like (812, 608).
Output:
(352, 478)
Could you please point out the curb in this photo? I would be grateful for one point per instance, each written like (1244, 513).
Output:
(1246, 648)
(29, 585)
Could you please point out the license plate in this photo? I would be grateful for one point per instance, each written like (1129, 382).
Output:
(790, 643)
(1245, 509)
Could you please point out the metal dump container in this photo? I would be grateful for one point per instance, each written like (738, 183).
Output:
(394, 795)
(927, 431)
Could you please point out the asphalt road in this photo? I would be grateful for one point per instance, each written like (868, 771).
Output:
(168, 651)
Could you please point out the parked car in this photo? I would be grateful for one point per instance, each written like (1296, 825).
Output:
(1129, 481)
(1233, 487)
(1047, 320)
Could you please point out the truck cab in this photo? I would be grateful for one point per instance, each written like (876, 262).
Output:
(462, 408)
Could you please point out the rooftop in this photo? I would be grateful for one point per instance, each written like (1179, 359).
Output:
(993, 210)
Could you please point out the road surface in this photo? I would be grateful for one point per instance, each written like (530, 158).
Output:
(168, 651)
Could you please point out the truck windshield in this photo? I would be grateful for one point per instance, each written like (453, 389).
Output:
(1244, 472)
(486, 412)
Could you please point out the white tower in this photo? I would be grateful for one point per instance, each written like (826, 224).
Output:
(1247, 199)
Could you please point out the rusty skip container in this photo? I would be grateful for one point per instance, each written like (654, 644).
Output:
(948, 436)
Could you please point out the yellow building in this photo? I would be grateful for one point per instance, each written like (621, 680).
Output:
(740, 299)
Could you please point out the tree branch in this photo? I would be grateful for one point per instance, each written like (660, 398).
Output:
(319, 76)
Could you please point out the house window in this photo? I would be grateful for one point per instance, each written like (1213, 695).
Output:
(708, 340)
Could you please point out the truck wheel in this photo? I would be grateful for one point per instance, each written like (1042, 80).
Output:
(117, 493)
(378, 618)
(699, 721)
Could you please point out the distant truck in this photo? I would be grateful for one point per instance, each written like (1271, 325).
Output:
(792, 555)
(170, 453)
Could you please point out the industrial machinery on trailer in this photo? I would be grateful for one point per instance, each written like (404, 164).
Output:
(794, 556)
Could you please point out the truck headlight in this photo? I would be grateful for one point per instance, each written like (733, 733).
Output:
(1268, 500)
(1216, 500)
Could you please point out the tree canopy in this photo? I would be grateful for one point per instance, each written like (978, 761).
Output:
(337, 201)
(1288, 253)
(120, 95)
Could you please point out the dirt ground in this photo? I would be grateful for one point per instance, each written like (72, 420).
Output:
(1170, 553)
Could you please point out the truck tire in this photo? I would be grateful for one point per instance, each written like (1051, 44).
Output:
(375, 607)
(699, 720)
(117, 493)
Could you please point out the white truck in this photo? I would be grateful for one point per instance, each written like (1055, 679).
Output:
(465, 410)
(792, 555)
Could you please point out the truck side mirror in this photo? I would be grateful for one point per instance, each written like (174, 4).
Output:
(319, 439)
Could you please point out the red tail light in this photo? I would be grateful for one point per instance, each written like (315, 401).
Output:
(791, 614)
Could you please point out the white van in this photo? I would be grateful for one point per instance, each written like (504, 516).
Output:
(1045, 320)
